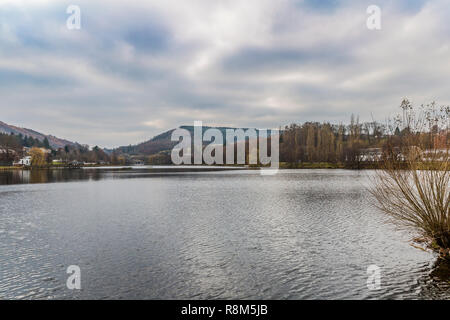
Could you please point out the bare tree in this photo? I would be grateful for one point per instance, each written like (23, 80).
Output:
(412, 186)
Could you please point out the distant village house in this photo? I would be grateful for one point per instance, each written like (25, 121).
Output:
(25, 161)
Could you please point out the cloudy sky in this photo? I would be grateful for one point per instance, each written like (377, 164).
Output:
(137, 68)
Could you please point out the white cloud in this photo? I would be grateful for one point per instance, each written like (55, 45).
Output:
(156, 123)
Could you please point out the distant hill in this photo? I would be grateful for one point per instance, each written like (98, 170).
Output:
(54, 142)
(162, 142)
(159, 143)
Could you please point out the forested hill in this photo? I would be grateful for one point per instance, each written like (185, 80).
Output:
(53, 141)
(162, 142)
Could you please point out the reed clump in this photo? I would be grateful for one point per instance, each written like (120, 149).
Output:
(412, 185)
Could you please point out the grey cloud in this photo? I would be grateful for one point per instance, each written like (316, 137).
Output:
(135, 70)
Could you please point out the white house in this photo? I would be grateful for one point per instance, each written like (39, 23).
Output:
(138, 162)
(26, 161)
(371, 155)
(4, 150)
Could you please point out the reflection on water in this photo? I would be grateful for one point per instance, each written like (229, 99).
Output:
(438, 280)
(65, 175)
(441, 271)
(301, 234)
(45, 176)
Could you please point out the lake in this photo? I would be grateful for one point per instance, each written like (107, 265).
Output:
(234, 234)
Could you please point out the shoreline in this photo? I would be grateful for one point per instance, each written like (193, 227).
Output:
(283, 165)
(5, 168)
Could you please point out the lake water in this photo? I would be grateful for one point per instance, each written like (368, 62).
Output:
(300, 234)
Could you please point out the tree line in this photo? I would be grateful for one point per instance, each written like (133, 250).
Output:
(326, 142)
(12, 149)
(310, 142)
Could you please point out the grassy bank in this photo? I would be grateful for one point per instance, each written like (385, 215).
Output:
(11, 168)
(311, 165)
(329, 165)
